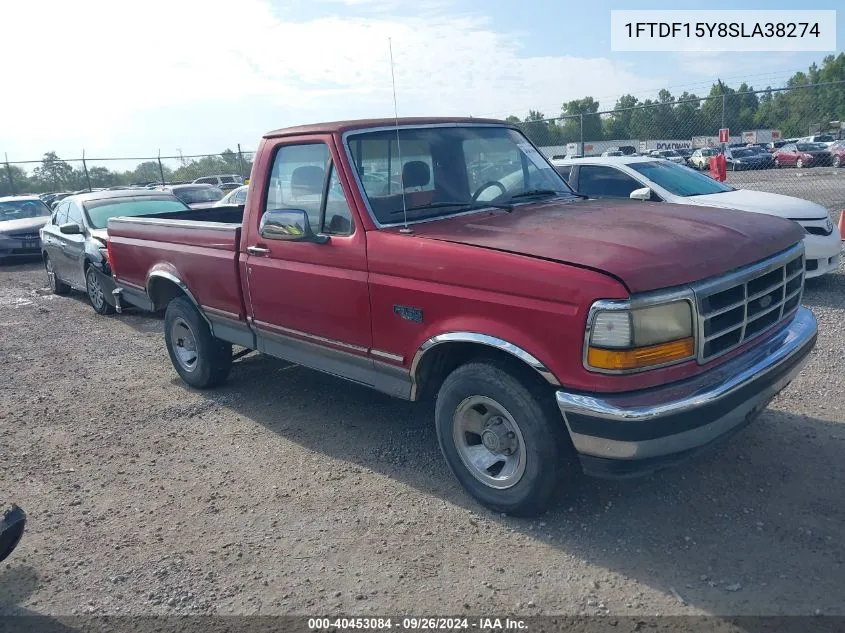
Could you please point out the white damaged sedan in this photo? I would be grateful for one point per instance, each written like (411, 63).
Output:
(646, 178)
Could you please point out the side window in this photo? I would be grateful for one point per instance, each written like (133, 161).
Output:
(74, 214)
(598, 181)
(338, 218)
(297, 179)
(61, 214)
(226, 179)
(207, 181)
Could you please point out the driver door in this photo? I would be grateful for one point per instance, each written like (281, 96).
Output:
(73, 248)
(310, 301)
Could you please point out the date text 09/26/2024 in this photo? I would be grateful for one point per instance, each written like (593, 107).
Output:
(723, 29)
(416, 624)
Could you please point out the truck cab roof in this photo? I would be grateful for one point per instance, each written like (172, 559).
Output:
(363, 124)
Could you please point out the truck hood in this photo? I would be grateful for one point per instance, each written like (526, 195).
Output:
(23, 224)
(763, 202)
(647, 246)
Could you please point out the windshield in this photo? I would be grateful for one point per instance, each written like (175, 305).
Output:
(811, 147)
(99, 211)
(679, 180)
(193, 195)
(20, 209)
(446, 170)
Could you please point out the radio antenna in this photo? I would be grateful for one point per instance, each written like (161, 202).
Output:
(405, 228)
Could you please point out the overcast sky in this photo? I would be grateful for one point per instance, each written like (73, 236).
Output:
(128, 79)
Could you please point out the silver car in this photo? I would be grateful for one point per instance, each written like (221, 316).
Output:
(21, 219)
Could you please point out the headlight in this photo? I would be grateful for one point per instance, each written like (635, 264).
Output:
(622, 340)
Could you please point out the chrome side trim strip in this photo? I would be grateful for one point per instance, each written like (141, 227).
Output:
(387, 355)
(270, 327)
(190, 224)
(364, 370)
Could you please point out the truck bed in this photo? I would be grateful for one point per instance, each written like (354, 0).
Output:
(195, 249)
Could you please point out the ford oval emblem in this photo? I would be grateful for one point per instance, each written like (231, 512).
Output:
(766, 301)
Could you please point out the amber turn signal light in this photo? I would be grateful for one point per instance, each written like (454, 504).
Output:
(640, 357)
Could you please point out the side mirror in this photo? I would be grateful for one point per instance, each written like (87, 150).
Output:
(12, 523)
(641, 194)
(289, 225)
(70, 229)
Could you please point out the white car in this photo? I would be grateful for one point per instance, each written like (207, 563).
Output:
(645, 178)
(668, 154)
(235, 196)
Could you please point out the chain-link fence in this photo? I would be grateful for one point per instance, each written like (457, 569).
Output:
(786, 140)
(54, 174)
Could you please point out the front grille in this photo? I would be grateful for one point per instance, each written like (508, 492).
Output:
(24, 236)
(744, 304)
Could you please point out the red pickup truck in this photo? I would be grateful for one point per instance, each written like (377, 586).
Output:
(446, 258)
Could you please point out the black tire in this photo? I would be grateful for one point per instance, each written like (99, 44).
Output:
(548, 453)
(57, 286)
(212, 357)
(96, 293)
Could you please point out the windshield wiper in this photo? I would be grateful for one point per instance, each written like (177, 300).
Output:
(461, 206)
(532, 193)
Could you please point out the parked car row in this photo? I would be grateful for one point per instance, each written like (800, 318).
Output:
(555, 329)
(224, 183)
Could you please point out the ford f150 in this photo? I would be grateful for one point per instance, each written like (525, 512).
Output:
(447, 258)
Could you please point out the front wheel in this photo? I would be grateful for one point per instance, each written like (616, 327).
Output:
(837, 161)
(799, 163)
(201, 360)
(57, 286)
(96, 293)
(506, 448)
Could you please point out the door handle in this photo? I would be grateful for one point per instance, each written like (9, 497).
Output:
(257, 250)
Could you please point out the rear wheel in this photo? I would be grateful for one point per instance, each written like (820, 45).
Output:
(57, 286)
(201, 360)
(837, 161)
(96, 293)
(506, 447)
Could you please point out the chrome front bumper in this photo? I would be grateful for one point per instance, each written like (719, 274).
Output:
(637, 432)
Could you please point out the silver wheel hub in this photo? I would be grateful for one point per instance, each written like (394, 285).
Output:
(95, 290)
(497, 438)
(489, 442)
(184, 344)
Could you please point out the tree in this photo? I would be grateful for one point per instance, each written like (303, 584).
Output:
(53, 172)
(19, 181)
(585, 109)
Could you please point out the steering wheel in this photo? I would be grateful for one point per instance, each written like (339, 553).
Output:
(486, 186)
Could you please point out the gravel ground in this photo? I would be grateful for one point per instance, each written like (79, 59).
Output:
(287, 491)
